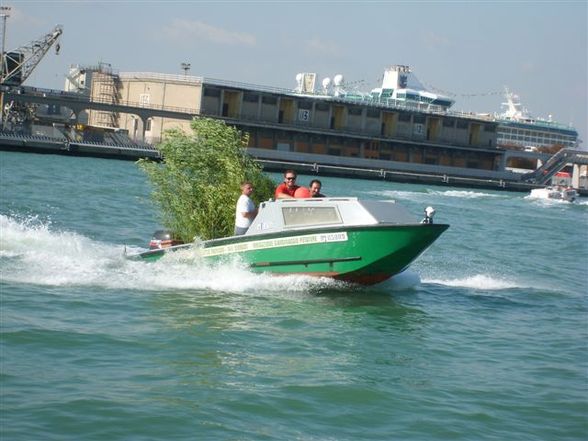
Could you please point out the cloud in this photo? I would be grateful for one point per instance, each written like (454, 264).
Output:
(435, 41)
(528, 67)
(319, 46)
(189, 29)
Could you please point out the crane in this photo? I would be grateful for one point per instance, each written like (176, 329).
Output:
(19, 63)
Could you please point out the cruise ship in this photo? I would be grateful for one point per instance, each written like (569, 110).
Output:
(518, 129)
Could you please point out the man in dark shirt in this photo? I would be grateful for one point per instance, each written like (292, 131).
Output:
(315, 189)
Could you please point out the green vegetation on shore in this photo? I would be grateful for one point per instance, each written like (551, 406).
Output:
(197, 184)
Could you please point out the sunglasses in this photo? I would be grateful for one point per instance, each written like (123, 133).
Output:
(290, 178)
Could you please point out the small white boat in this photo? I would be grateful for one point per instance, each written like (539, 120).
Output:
(557, 193)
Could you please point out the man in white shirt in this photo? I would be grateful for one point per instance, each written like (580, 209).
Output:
(245, 211)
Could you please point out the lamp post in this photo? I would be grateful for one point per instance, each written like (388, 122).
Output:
(4, 14)
(186, 67)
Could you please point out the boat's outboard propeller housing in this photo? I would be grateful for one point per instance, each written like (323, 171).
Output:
(429, 213)
(163, 239)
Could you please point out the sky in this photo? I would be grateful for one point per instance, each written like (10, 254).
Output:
(468, 50)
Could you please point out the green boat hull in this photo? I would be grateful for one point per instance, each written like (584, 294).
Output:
(363, 254)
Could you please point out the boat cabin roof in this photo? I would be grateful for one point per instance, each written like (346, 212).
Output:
(291, 214)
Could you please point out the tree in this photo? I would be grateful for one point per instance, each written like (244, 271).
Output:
(197, 184)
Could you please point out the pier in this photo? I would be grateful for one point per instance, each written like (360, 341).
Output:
(454, 150)
(304, 163)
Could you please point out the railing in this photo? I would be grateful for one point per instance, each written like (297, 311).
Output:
(367, 100)
(50, 93)
(160, 76)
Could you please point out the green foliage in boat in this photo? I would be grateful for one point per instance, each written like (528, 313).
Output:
(197, 184)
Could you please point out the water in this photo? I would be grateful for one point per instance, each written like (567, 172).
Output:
(484, 338)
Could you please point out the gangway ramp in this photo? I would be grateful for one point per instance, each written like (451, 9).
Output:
(557, 162)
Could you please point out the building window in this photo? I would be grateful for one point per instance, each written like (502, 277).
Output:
(448, 122)
(212, 92)
(272, 100)
(250, 97)
(307, 105)
(148, 125)
(144, 99)
(404, 117)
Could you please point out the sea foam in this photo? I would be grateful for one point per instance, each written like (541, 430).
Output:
(31, 252)
(478, 281)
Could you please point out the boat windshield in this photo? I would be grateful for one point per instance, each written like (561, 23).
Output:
(305, 216)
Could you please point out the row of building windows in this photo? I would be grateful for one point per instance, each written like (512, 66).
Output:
(354, 111)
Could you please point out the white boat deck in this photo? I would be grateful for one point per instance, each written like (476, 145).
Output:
(293, 214)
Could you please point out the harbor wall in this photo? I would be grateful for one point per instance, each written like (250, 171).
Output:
(310, 164)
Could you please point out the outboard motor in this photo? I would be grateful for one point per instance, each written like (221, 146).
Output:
(429, 213)
(163, 239)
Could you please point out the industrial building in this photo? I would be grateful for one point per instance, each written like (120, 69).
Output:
(301, 121)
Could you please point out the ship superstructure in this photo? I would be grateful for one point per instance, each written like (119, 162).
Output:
(400, 88)
(519, 129)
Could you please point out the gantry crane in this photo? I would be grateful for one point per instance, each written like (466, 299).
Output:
(19, 63)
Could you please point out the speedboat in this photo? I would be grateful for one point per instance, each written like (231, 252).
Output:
(557, 192)
(358, 241)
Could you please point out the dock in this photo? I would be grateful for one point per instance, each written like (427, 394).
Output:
(274, 161)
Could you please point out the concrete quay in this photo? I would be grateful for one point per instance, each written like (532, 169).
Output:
(304, 163)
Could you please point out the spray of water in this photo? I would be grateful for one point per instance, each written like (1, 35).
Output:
(31, 252)
(426, 196)
(478, 281)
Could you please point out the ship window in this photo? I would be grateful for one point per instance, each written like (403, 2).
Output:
(307, 216)
(461, 124)
(373, 113)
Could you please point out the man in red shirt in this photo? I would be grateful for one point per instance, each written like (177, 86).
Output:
(287, 188)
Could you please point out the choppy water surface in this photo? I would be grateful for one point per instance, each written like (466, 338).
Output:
(484, 338)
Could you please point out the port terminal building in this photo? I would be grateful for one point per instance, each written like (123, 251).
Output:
(398, 127)
(302, 120)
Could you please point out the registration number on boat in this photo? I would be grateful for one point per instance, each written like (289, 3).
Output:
(275, 243)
